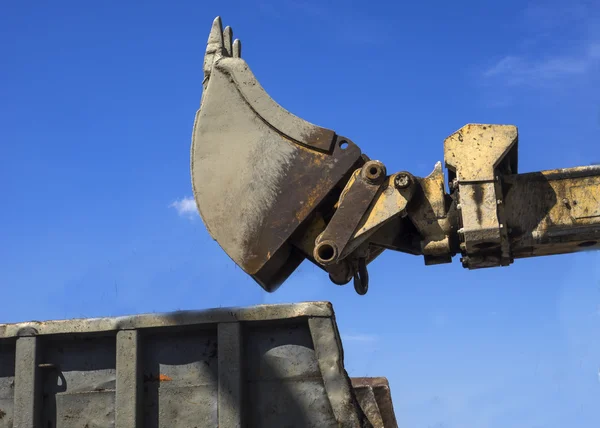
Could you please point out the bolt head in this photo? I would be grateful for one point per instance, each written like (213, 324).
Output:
(402, 181)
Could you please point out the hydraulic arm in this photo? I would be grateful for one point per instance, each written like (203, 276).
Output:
(273, 190)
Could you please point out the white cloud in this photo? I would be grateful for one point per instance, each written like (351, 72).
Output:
(559, 43)
(185, 207)
(521, 70)
(362, 338)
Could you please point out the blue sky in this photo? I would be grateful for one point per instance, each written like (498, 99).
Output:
(97, 102)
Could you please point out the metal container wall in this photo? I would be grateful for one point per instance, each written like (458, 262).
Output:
(263, 366)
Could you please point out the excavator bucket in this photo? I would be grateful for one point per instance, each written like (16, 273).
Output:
(259, 173)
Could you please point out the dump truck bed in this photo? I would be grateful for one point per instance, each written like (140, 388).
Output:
(261, 366)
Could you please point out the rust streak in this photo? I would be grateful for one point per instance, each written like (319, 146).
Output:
(164, 378)
(312, 197)
(159, 378)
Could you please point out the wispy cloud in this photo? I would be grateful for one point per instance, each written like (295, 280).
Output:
(523, 70)
(559, 42)
(362, 338)
(185, 207)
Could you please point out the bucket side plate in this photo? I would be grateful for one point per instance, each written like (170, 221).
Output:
(258, 172)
